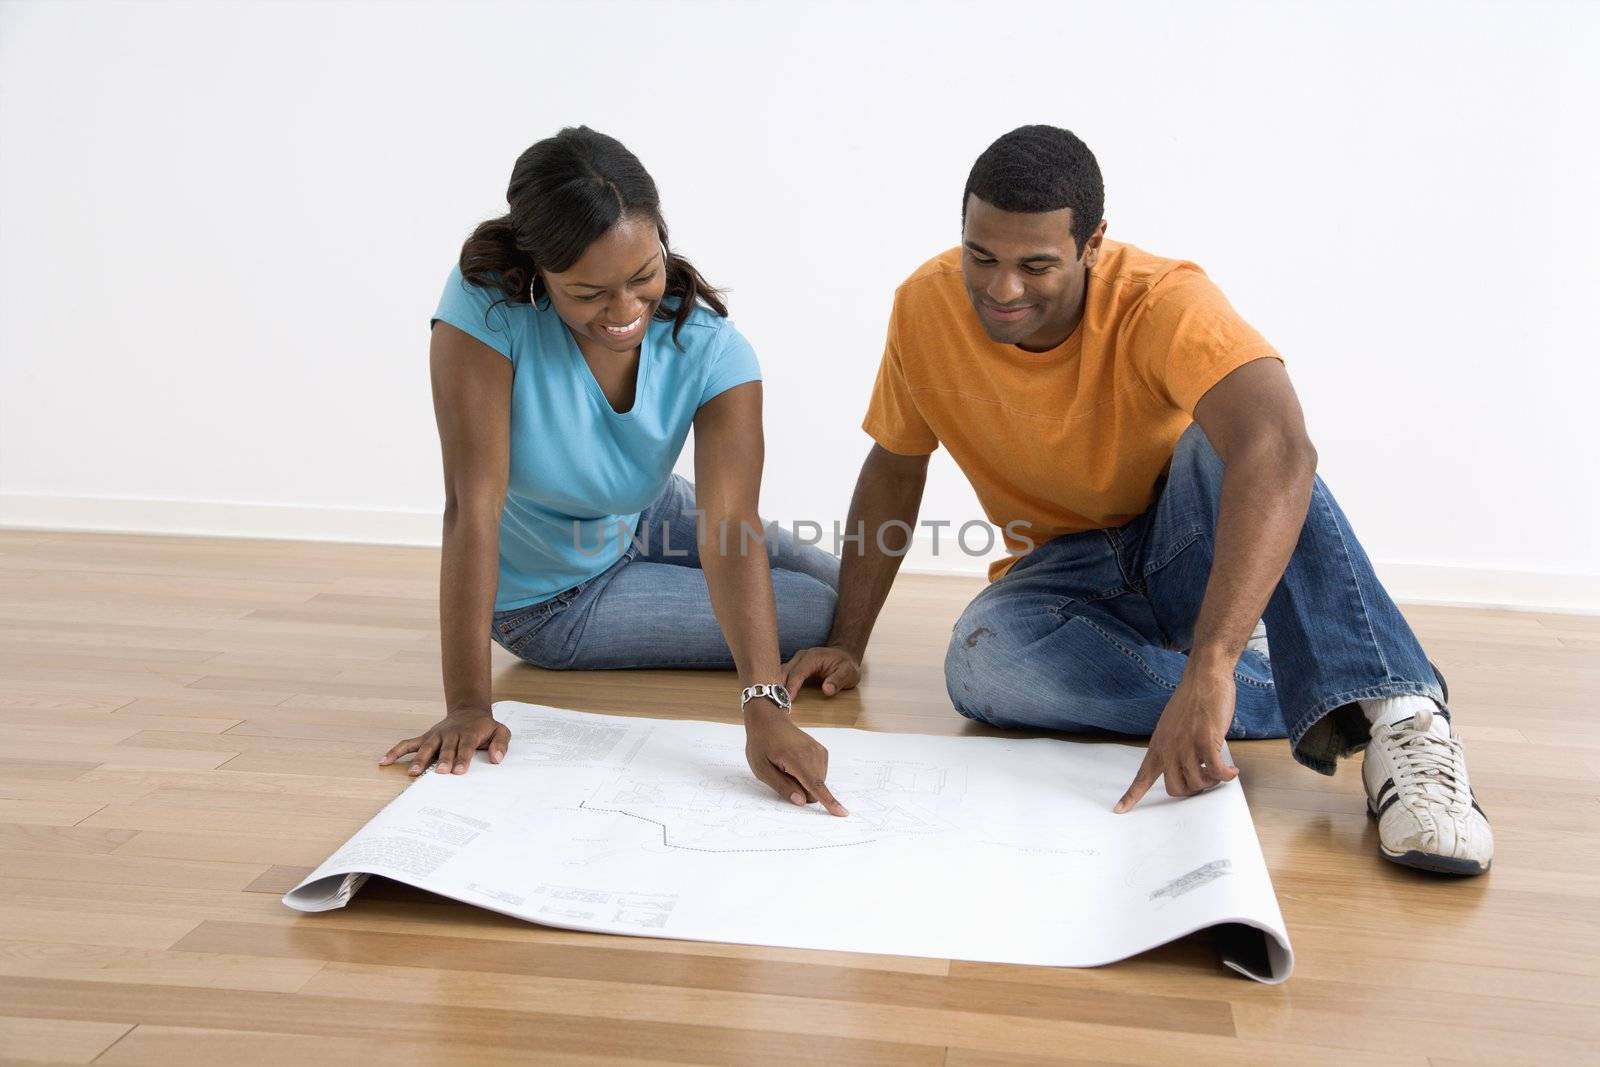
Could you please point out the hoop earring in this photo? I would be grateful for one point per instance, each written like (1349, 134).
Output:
(540, 303)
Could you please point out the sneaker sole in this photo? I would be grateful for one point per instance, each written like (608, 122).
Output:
(1427, 861)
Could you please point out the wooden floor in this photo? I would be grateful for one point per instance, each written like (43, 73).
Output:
(189, 725)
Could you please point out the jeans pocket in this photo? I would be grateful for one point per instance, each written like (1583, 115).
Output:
(519, 639)
(514, 630)
(506, 623)
(521, 642)
(1166, 553)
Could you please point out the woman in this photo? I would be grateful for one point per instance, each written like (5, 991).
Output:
(571, 352)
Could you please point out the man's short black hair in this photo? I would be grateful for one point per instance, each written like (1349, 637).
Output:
(1040, 168)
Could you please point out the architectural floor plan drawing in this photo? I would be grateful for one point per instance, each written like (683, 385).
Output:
(974, 848)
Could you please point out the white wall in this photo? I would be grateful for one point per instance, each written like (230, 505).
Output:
(224, 226)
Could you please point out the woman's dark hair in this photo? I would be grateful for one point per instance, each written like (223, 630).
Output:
(565, 192)
(1040, 168)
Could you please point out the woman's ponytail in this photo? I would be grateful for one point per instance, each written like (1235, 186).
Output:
(491, 259)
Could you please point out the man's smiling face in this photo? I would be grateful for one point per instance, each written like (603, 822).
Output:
(1023, 273)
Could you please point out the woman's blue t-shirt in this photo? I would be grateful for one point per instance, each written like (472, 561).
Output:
(581, 472)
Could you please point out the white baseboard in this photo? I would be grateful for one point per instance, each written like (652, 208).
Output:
(1411, 583)
(207, 518)
(1415, 583)
(1422, 583)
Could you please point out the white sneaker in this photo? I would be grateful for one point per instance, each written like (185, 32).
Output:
(1418, 791)
(1258, 640)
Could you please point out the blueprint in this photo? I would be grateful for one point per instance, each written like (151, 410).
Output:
(975, 848)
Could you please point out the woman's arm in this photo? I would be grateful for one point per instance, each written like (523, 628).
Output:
(472, 406)
(728, 456)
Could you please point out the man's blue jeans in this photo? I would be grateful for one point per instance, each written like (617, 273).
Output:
(652, 608)
(1083, 633)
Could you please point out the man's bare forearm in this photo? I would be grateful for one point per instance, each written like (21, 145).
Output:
(1266, 490)
(468, 573)
(883, 509)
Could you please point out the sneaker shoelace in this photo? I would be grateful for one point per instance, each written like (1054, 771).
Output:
(1427, 762)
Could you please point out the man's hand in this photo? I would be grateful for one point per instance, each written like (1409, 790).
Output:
(1186, 747)
(835, 669)
(453, 739)
(786, 758)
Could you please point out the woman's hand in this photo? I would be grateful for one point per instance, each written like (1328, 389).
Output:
(786, 758)
(453, 740)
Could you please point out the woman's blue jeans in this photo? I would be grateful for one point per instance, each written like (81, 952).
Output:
(651, 608)
(1084, 633)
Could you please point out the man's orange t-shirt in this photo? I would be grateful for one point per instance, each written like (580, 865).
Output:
(1074, 438)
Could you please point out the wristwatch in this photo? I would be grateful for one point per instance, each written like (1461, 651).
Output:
(774, 692)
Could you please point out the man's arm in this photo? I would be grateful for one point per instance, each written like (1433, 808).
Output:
(889, 489)
(1253, 420)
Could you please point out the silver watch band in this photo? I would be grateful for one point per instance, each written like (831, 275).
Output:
(772, 691)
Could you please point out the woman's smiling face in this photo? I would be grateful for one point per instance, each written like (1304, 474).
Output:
(609, 295)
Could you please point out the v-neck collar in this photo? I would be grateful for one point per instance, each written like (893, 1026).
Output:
(593, 385)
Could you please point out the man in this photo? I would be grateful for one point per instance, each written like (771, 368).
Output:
(1144, 451)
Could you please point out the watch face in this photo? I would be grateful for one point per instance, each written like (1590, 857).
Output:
(776, 692)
